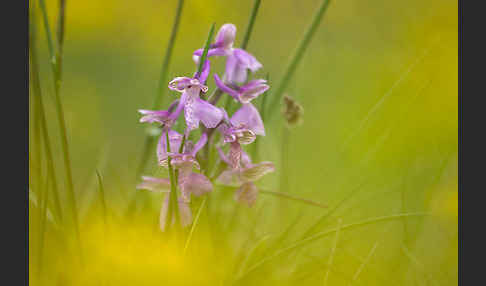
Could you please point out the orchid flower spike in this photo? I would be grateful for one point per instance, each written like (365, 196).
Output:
(238, 61)
(244, 177)
(244, 93)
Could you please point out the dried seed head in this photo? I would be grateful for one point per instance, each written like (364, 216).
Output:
(292, 111)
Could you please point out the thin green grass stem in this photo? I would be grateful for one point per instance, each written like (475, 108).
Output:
(297, 56)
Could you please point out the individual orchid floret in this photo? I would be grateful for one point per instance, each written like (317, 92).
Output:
(195, 109)
(162, 185)
(244, 177)
(238, 61)
(165, 118)
(189, 182)
(241, 128)
(245, 93)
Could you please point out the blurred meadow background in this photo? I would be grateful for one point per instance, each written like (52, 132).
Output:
(378, 84)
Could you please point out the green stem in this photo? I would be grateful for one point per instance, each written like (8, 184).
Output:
(251, 22)
(173, 207)
(299, 52)
(149, 140)
(206, 49)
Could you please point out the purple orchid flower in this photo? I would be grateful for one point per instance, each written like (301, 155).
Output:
(244, 176)
(245, 93)
(241, 128)
(189, 182)
(238, 61)
(195, 109)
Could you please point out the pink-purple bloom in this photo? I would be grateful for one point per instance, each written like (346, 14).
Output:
(238, 61)
(239, 129)
(243, 176)
(246, 92)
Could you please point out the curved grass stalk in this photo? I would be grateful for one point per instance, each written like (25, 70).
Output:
(319, 235)
(294, 198)
(298, 54)
(363, 264)
(193, 226)
(333, 250)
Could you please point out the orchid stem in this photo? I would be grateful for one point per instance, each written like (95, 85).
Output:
(173, 205)
(149, 140)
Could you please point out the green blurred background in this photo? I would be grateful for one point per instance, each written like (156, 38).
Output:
(379, 88)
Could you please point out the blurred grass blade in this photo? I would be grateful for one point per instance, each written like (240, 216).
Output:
(367, 259)
(149, 140)
(194, 224)
(323, 218)
(57, 71)
(168, 56)
(50, 45)
(333, 250)
(294, 198)
(206, 49)
(34, 70)
(251, 22)
(319, 235)
(297, 57)
(102, 195)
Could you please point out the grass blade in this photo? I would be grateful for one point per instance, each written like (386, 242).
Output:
(194, 224)
(206, 49)
(294, 198)
(168, 56)
(57, 71)
(251, 22)
(297, 57)
(367, 259)
(34, 70)
(102, 195)
(319, 235)
(149, 140)
(333, 250)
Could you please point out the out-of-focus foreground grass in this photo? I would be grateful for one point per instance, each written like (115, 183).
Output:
(379, 88)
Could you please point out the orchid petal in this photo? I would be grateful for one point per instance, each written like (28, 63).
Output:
(224, 88)
(226, 36)
(229, 178)
(154, 184)
(175, 142)
(247, 193)
(209, 114)
(184, 213)
(249, 117)
(256, 171)
(196, 184)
